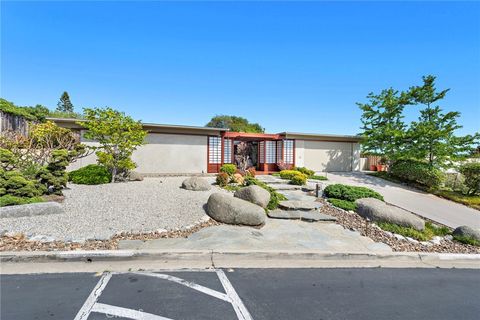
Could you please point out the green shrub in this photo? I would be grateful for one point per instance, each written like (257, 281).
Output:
(228, 168)
(350, 193)
(54, 175)
(418, 172)
(305, 171)
(223, 179)
(9, 200)
(318, 177)
(467, 240)
(343, 204)
(299, 179)
(288, 174)
(275, 197)
(15, 184)
(471, 172)
(91, 174)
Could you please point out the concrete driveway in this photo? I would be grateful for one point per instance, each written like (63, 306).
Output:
(424, 204)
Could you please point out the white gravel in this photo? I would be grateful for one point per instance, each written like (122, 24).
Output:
(99, 212)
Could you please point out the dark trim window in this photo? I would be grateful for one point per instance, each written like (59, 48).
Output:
(214, 150)
(227, 151)
(288, 151)
(271, 154)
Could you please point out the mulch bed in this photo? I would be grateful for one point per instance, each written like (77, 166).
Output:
(355, 222)
(19, 242)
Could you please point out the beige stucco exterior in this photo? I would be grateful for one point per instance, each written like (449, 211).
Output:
(327, 155)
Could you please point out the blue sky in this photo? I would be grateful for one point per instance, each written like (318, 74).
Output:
(289, 66)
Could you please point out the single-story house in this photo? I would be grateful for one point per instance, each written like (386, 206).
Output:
(175, 149)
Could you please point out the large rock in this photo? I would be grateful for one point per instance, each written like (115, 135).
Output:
(227, 209)
(196, 184)
(32, 209)
(466, 231)
(254, 194)
(135, 176)
(377, 210)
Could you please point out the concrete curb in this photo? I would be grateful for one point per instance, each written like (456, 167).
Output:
(244, 259)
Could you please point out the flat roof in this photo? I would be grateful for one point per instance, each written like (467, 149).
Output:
(172, 128)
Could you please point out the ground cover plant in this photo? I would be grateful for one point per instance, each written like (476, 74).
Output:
(344, 196)
(315, 177)
(343, 204)
(467, 240)
(427, 234)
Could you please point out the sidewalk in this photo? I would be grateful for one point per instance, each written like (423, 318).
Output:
(421, 203)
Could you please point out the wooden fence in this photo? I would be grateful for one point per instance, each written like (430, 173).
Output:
(10, 122)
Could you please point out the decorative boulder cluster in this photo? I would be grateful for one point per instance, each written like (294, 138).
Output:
(246, 207)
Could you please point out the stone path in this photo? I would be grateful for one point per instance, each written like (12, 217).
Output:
(300, 215)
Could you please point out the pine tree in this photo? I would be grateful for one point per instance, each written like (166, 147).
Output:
(65, 105)
(432, 137)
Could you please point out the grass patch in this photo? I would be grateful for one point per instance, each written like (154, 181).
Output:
(343, 204)
(276, 174)
(323, 178)
(428, 233)
(456, 196)
(467, 240)
(9, 200)
(232, 188)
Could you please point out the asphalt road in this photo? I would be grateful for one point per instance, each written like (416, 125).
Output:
(245, 294)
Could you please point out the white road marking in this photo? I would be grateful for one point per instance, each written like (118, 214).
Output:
(115, 311)
(189, 284)
(238, 306)
(84, 312)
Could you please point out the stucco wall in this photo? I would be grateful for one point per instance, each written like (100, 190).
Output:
(327, 156)
(164, 153)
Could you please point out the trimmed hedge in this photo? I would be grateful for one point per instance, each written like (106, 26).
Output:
(228, 168)
(471, 172)
(418, 172)
(288, 174)
(299, 179)
(350, 193)
(91, 174)
(305, 171)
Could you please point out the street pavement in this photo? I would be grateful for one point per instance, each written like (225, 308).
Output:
(373, 293)
(446, 212)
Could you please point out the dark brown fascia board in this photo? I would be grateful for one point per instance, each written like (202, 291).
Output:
(321, 137)
(150, 127)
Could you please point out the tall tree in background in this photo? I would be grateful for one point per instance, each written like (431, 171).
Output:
(234, 123)
(432, 137)
(382, 123)
(65, 105)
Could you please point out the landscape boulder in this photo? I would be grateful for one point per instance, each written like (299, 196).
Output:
(466, 231)
(377, 210)
(135, 176)
(254, 194)
(196, 184)
(231, 210)
(31, 209)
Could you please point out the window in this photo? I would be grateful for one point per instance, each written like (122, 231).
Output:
(214, 150)
(261, 146)
(288, 151)
(271, 154)
(227, 151)
(279, 151)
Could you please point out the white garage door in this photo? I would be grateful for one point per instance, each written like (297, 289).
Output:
(328, 156)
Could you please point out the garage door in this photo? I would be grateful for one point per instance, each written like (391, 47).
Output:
(328, 156)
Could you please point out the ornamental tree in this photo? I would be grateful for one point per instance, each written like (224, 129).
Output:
(118, 135)
(65, 105)
(234, 123)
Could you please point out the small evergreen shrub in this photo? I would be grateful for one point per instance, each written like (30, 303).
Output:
(251, 172)
(350, 193)
(417, 171)
(288, 174)
(471, 172)
(343, 204)
(91, 174)
(15, 184)
(228, 168)
(223, 179)
(299, 179)
(305, 171)
(9, 200)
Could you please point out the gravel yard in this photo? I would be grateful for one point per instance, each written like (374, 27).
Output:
(101, 211)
